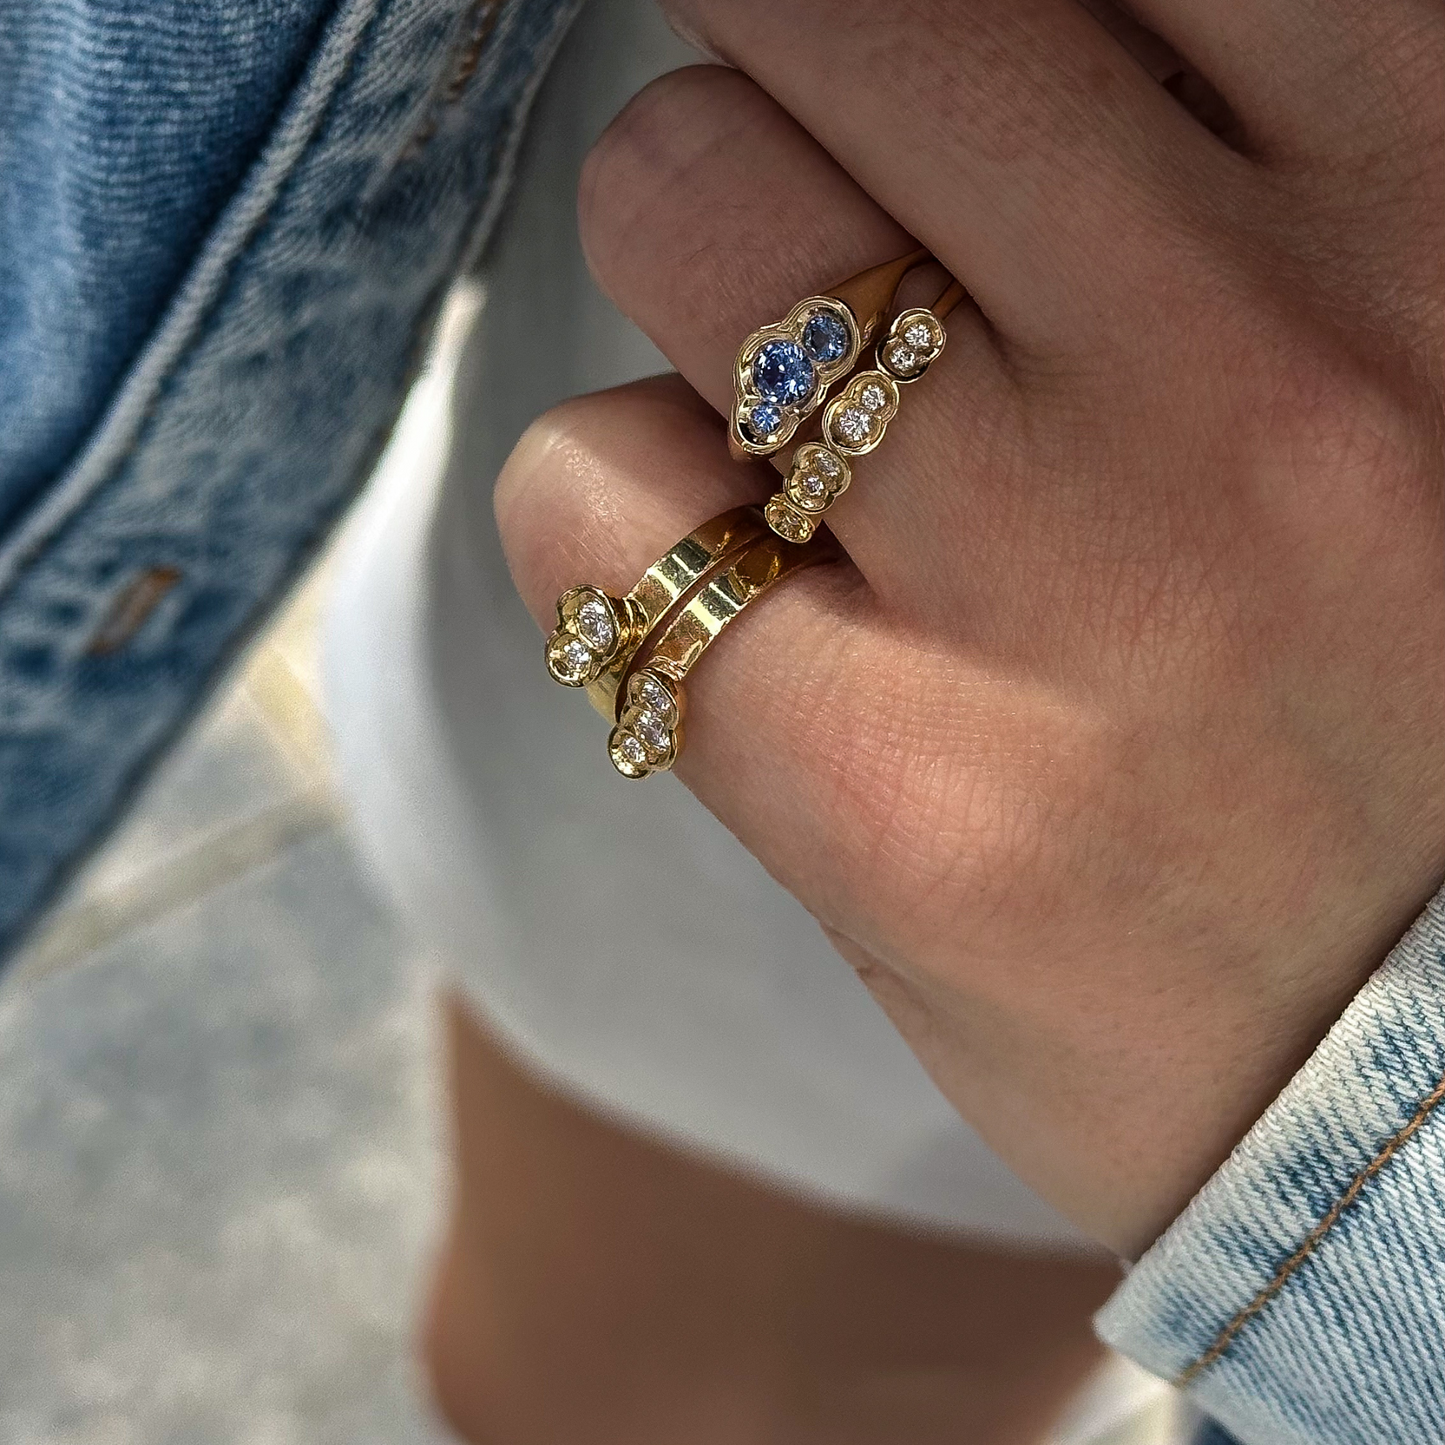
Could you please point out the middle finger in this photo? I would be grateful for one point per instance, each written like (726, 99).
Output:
(1020, 142)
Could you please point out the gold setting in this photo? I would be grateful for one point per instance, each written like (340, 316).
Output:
(861, 303)
(648, 736)
(856, 420)
(913, 343)
(746, 398)
(597, 634)
(858, 417)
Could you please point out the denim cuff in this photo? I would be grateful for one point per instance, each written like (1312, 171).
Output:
(1300, 1298)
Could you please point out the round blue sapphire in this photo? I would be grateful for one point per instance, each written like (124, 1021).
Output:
(782, 373)
(825, 338)
(761, 421)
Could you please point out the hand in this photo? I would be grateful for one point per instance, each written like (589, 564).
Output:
(1114, 759)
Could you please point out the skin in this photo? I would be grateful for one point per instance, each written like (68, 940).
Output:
(1114, 756)
(596, 1286)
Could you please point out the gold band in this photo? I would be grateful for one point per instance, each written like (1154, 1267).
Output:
(651, 703)
(597, 634)
(856, 420)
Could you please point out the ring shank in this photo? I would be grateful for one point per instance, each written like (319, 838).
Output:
(693, 629)
(683, 567)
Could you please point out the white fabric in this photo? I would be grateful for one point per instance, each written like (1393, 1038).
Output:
(614, 931)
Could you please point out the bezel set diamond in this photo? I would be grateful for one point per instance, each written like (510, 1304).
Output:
(592, 632)
(648, 734)
(858, 416)
(913, 343)
(817, 478)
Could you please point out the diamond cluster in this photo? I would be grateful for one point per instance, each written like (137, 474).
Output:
(857, 418)
(912, 345)
(784, 371)
(817, 476)
(587, 639)
(820, 473)
(645, 740)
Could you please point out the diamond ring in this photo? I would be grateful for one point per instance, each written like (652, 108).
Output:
(857, 418)
(597, 634)
(650, 699)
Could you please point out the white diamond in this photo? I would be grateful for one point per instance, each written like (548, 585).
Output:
(853, 424)
(570, 660)
(649, 693)
(900, 358)
(787, 523)
(652, 729)
(594, 624)
(873, 397)
(810, 484)
(919, 335)
(630, 750)
(828, 465)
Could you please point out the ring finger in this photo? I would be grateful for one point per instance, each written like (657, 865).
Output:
(688, 160)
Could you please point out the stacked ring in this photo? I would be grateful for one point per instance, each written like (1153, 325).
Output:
(857, 418)
(597, 634)
(634, 653)
(651, 699)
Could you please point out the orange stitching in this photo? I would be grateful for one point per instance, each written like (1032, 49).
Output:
(128, 613)
(1231, 1330)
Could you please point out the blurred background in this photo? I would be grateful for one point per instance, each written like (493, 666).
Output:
(220, 1163)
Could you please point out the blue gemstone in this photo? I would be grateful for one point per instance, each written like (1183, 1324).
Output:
(825, 338)
(760, 422)
(782, 373)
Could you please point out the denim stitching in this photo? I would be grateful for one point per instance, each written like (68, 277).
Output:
(480, 23)
(231, 238)
(1230, 1332)
(479, 217)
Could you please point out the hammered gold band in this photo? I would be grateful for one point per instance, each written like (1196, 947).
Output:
(598, 634)
(651, 702)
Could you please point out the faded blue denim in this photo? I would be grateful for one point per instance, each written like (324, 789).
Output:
(1300, 1298)
(225, 228)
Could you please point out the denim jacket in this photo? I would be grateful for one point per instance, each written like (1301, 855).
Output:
(225, 229)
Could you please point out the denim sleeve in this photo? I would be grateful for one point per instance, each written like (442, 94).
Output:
(1300, 1298)
(225, 230)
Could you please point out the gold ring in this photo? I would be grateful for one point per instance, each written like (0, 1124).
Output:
(783, 370)
(597, 634)
(857, 418)
(651, 702)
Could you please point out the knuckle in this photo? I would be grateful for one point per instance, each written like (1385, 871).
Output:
(597, 487)
(649, 192)
(650, 142)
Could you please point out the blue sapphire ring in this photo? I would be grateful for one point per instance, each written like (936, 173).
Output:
(785, 369)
